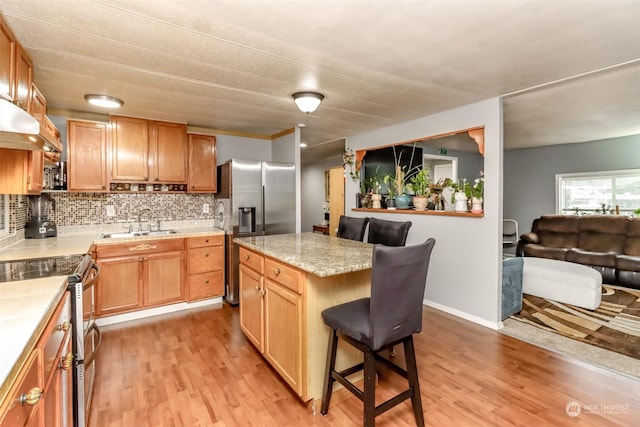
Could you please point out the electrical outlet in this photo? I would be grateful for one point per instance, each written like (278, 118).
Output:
(205, 208)
(111, 210)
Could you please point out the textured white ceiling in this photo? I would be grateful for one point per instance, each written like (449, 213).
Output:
(233, 65)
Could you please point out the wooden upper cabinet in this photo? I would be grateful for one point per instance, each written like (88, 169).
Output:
(38, 106)
(129, 149)
(35, 172)
(87, 156)
(13, 171)
(148, 151)
(202, 164)
(7, 60)
(24, 78)
(168, 152)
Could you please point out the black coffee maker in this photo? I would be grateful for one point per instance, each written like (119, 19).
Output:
(39, 226)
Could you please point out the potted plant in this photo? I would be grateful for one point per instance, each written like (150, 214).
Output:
(400, 181)
(475, 192)
(420, 184)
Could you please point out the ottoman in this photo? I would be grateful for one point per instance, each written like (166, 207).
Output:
(562, 281)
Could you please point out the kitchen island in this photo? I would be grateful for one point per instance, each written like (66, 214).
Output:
(285, 283)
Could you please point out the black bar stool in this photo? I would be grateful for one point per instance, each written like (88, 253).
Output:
(388, 233)
(390, 316)
(352, 228)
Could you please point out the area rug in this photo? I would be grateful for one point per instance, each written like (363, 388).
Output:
(608, 336)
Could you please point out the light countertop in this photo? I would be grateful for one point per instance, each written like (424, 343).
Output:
(312, 252)
(26, 306)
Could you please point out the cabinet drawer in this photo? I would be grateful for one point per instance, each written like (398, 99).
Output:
(141, 246)
(21, 412)
(198, 242)
(206, 259)
(283, 274)
(206, 285)
(252, 260)
(54, 334)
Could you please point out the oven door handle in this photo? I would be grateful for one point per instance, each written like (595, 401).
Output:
(89, 360)
(94, 278)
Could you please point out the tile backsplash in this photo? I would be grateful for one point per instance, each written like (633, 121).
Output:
(73, 209)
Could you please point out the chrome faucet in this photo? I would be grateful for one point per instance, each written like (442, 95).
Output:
(140, 213)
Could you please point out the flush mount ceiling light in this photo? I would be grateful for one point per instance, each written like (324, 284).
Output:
(104, 101)
(307, 102)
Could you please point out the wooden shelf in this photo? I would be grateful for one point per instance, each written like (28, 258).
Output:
(427, 212)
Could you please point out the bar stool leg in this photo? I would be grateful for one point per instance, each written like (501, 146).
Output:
(412, 373)
(328, 373)
(369, 388)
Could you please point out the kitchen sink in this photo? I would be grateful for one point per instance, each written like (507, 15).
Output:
(139, 234)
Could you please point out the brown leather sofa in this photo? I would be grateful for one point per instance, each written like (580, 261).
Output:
(608, 243)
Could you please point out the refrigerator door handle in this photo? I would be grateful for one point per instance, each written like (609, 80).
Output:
(264, 215)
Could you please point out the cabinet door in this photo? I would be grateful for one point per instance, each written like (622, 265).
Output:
(58, 396)
(252, 306)
(24, 78)
(119, 286)
(283, 333)
(35, 172)
(38, 105)
(129, 149)
(202, 164)
(86, 156)
(7, 60)
(13, 171)
(168, 152)
(21, 413)
(164, 278)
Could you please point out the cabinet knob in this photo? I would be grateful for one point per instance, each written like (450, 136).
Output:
(65, 326)
(206, 255)
(246, 257)
(66, 361)
(206, 281)
(277, 271)
(31, 397)
(206, 241)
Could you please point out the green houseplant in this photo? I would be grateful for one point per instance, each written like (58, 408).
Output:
(420, 184)
(400, 181)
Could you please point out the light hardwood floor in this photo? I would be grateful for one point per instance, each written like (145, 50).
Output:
(197, 369)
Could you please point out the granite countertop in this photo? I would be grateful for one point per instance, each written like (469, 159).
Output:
(25, 310)
(312, 252)
(26, 306)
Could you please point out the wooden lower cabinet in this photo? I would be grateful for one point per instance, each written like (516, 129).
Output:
(206, 267)
(252, 306)
(140, 274)
(283, 333)
(42, 395)
(272, 314)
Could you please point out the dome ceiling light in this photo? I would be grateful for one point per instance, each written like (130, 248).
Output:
(104, 101)
(307, 102)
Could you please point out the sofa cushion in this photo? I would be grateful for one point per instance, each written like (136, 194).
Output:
(602, 233)
(632, 242)
(539, 251)
(601, 259)
(557, 231)
(628, 262)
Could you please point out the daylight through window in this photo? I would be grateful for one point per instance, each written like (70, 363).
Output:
(607, 192)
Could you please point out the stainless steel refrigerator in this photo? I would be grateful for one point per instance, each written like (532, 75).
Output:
(262, 201)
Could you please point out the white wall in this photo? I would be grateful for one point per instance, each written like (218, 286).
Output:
(313, 191)
(237, 147)
(465, 269)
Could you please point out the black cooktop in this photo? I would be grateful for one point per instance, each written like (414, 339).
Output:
(25, 269)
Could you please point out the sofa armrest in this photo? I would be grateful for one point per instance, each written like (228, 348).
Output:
(530, 237)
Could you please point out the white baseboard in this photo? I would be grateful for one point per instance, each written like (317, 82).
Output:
(475, 319)
(141, 314)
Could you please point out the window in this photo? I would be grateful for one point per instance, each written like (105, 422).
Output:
(598, 192)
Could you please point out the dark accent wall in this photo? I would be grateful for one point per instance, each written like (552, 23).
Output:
(529, 186)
